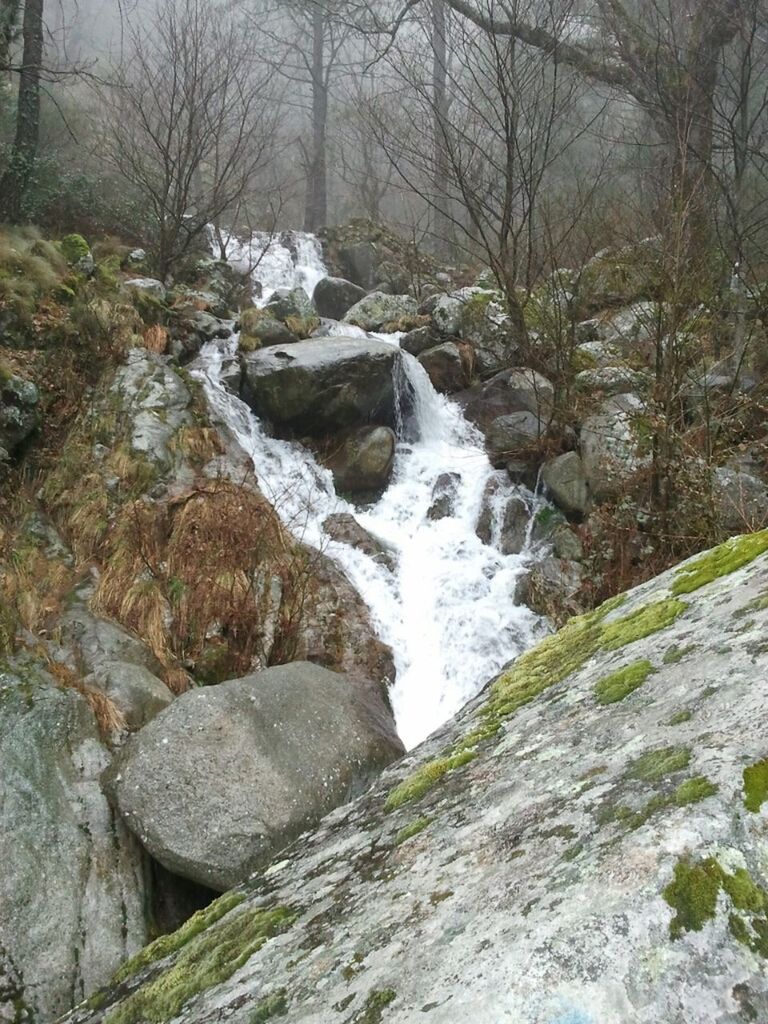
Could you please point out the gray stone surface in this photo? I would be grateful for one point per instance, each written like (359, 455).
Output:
(535, 885)
(516, 390)
(317, 387)
(138, 693)
(566, 481)
(446, 367)
(362, 462)
(150, 285)
(333, 297)
(228, 775)
(345, 529)
(610, 446)
(157, 401)
(19, 411)
(377, 309)
(72, 895)
(289, 302)
(507, 435)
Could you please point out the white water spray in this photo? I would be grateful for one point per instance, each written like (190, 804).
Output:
(448, 607)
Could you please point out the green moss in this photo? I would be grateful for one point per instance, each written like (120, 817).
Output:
(411, 830)
(620, 684)
(720, 561)
(422, 780)
(642, 623)
(692, 791)
(167, 944)
(680, 717)
(271, 1006)
(207, 960)
(655, 765)
(756, 786)
(692, 894)
(675, 654)
(74, 248)
(378, 1000)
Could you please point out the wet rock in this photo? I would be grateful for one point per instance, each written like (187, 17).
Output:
(71, 886)
(610, 447)
(362, 462)
(285, 303)
(554, 586)
(19, 411)
(444, 496)
(361, 263)
(345, 529)
(447, 367)
(566, 482)
(419, 340)
(229, 775)
(506, 435)
(315, 389)
(148, 285)
(378, 310)
(515, 390)
(333, 297)
(504, 518)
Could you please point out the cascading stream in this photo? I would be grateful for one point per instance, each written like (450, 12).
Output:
(448, 607)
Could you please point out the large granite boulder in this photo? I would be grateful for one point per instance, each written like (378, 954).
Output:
(378, 310)
(333, 297)
(566, 483)
(448, 366)
(584, 844)
(610, 446)
(287, 303)
(317, 387)
(72, 894)
(228, 775)
(519, 389)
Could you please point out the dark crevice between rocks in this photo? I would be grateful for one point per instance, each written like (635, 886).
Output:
(173, 899)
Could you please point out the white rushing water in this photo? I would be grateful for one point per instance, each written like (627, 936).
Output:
(288, 260)
(448, 607)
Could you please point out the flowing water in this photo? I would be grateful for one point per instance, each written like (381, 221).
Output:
(448, 607)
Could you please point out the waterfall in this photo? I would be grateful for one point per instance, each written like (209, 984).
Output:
(292, 259)
(448, 607)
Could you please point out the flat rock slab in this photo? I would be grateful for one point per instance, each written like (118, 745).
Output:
(585, 844)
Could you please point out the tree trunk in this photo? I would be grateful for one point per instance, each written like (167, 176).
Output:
(442, 222)
(15, 180)
(316, 211)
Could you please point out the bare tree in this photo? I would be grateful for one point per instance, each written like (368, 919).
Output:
(190, 121)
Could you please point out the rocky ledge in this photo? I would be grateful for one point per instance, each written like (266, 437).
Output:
(585, 844)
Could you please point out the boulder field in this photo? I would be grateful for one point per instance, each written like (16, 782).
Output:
(584, 844)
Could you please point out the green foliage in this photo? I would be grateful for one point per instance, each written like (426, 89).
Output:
(721, 561)
(620, 684)
(74, 247)
(642, 623)
(411, 830)
(377, 1001)
(756, 786)
(693, 791)
(425, 778)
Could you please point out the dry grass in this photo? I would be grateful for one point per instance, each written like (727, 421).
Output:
(156, 338)
(108, 715)
(198, 444)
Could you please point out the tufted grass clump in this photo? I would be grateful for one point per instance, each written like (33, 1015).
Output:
(756, 786)
(411, 830)
(655, 765)
(208, 959)
(720, 561)
(693, 791)
(618, 685)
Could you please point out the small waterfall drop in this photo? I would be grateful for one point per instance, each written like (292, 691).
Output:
(290, 259)
(448, 607)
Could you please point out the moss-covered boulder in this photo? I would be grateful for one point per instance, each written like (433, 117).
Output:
(584, 843)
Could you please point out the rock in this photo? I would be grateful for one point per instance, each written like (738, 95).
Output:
(609, 446)
(511, 391)
(361, 263)
(623, 760)
(137, 693)
(566, 544)
(156, 400)
(98, 642)
(285, 303)
(740, 500)
(444, 496)
(227, 776)
(596, 354)
(362, 463)
(333, 297)
(378, 310)
(188, 301)
(616, 277)
(136, 256)
(71, 885)
(504, 517)
(149, 285)
(554, 585)
(612, 380)
(345, 529)
(316, 388)
(525, 472)
(506, 435)
(486, 324)
(447, 310)
(633, 332)
(447, 367)
(19, 411)
(566, 483)
(263, 331)
(417, 341)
